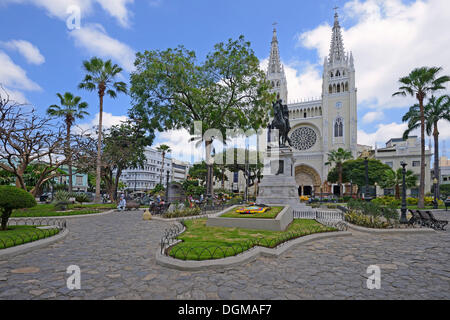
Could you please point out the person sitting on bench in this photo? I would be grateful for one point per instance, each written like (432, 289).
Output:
(122, 203)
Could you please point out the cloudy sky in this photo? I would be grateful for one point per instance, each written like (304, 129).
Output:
(40, 54)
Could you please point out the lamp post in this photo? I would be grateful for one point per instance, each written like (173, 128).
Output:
(167, 187)
(435, 203)
(403, 219)
(376, 186)
(351, 189)
(321, 189)
(366, 163)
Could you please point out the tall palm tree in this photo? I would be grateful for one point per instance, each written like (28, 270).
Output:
(394, 179)
(436, 109)
(71, 109)
(338, 157)
(164, 149)
(419, 83)
(101, 76)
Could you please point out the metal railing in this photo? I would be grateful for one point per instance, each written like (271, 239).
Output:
(32, 234)
(319, 215)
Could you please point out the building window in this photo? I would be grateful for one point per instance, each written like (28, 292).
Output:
(416, 164)
(79, 180)
(390, 164)
(338, 128)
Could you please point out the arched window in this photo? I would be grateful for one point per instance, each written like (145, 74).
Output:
(346, 86)
(338, 74)
(338, 88)
(334, 88)
(330, 89)
(339, 128)
(278, 83)
(331, 75)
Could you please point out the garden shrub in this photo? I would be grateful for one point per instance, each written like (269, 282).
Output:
(12, 198)
(81, 198)
(236, 200)
(367, 221)
(412, 201)
(61, 200)
(188, 212)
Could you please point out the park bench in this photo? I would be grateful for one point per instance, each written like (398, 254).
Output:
(159, 209)
(439, 224)
(132, 205)
(447, 203)
(415, 219)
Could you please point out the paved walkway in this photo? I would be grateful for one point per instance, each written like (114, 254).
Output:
(116, 256)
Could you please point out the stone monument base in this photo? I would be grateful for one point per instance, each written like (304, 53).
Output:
(280, 186)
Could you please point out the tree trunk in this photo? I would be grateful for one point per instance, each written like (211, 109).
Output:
(436, 160)
(69, 157)
(5, 217)
(421, 203)
(209, 166)
(162, 168)
(99, 148)
(340, 179)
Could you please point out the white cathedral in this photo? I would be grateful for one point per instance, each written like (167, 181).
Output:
(320, 126)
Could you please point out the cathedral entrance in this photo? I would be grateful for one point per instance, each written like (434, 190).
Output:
(307, 179)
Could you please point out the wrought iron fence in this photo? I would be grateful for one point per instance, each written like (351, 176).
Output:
(319, 215)
(170, 240)
(32, 234)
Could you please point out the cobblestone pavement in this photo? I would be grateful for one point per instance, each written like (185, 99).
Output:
(116, 254)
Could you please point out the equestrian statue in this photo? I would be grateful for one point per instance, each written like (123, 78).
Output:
(281, 123)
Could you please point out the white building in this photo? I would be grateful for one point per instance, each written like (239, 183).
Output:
(180, 170)
(147, 177)
(322, 125)
(408, 151)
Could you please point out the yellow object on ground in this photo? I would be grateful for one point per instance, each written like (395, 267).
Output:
(253, 209)
(147, 215)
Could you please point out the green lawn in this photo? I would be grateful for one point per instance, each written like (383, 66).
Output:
(17, 235)
(48, 210)
(205, 243)
(270, 214)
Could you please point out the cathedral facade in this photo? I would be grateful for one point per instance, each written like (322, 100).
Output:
(320, 126)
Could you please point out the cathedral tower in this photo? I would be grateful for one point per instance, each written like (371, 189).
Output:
(275, 72)
(339, 96)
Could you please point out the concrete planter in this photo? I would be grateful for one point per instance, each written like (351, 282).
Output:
(280, 223)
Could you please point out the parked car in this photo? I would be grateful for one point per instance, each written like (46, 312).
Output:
(45, 196)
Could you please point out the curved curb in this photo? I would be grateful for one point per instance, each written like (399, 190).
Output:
(70, 217)
(389, 231)
(180, 219)
(242, 258)
(30, 246)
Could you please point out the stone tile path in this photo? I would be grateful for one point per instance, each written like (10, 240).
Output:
(116, 255)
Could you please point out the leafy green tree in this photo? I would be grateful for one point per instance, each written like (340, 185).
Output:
(101, 76)
(12, 198)
(164, 149)
(337, 157)
(419, 83)
(199, 172)
(124, 147)
(71, 108)
(394, 179)
(437, 109)
(172, 90)
(354, 171)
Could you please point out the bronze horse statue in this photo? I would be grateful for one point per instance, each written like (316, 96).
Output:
(281, 123)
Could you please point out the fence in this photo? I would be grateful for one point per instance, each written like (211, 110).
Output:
(34, 234)
(319, 215)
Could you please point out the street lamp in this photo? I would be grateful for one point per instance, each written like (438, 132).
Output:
(351, 189)
(435, 203)
(403, 216)
(167, 186)
(366, 164)
(376, 186)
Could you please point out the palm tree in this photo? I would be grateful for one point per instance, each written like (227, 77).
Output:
(338, 157)
(394, 179)
(101, 77)
(419, 83)
(71, 108)
(435, 110)
(164, 149)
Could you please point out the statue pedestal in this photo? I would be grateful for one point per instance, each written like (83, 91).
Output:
(278, 185)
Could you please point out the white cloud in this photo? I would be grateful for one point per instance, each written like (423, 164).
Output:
(30, 52)
(108, 121)
(182, 148)
(388, 40)
(373, 116)
(96, 41)
(58, 8)
(15, 79)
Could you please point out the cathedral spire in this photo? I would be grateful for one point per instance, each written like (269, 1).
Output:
(274, 61)
(337, 53)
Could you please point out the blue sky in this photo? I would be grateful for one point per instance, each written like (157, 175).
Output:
(40, 56)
